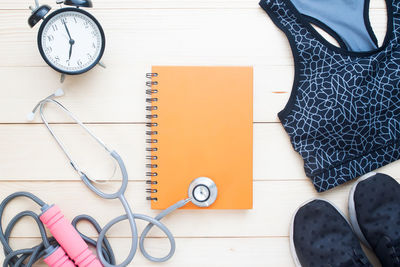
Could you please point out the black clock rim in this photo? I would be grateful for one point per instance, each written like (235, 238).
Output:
(58, 11)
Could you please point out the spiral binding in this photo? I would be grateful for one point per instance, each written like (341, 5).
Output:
(151, 108)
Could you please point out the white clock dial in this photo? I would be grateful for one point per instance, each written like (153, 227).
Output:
(71, 41)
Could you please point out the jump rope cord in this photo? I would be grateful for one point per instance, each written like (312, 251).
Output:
(18, 257)
(103, 248)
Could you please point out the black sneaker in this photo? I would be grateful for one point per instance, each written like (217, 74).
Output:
(320, 236)
(374, 209)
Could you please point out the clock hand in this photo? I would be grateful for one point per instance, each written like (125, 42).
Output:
(71, 41)
(66, 28)
(70, 50)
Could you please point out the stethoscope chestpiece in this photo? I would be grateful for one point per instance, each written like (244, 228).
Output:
(202, 192)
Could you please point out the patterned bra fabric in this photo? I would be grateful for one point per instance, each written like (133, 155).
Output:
(343, 115)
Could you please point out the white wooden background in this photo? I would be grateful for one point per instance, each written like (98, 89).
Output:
(141, 33)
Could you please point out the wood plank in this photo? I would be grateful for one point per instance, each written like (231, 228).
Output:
(200, 252)
(23, 4)
(142, 32)
(45, 161)
(218, 252)
(33, 144)
(146, 37)
(31, 147)
(270, 216)
(117, 95)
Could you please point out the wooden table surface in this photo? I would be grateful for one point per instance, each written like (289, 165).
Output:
(141, 33)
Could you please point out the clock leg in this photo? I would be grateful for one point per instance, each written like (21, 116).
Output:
(62, 78)
(101, 64)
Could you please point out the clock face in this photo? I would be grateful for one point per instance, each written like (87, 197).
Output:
(71, 41)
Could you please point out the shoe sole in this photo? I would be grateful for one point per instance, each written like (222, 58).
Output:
(291, 231)
(352, 210)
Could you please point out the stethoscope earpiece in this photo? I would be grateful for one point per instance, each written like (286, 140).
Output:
(203, 192)
(57, 93)
(30, 116)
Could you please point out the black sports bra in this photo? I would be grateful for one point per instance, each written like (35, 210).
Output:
(343, 115)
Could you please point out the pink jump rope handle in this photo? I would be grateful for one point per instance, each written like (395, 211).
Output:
(58, 258)
(68, 238)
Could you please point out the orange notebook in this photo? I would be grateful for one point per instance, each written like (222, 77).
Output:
(201, 125)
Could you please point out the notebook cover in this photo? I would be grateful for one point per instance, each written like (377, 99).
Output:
(204, 128)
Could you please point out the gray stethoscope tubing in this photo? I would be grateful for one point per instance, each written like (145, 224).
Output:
(130, 216)
(73, 163)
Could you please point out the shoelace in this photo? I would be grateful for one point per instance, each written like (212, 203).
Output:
(394, 250)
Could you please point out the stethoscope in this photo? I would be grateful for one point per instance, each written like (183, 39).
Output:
(202, 192)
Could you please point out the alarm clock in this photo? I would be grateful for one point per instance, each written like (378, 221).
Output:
(70, 39)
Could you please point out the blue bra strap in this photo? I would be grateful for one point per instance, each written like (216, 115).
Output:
(347, 18)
